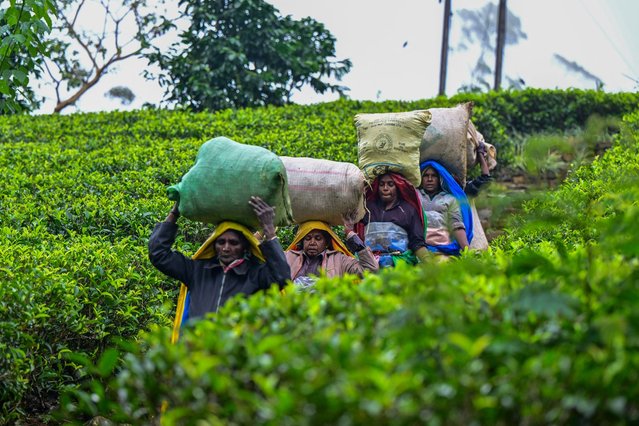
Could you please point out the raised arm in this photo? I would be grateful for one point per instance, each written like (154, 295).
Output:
(276, 270)
(365, 258)
(265, 215)
(168, 261)
(474, 186)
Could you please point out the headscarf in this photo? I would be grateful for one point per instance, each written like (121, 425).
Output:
(207, 251)
(450, 185)
(312, 225)
(405, 191)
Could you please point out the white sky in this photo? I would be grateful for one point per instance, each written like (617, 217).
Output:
(602, 36)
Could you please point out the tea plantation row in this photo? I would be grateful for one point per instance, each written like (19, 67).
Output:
(82, 192)
(542, 330)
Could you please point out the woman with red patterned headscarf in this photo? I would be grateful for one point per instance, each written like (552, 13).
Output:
(394, 224)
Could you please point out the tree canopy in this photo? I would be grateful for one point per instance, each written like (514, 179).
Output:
(244, 53)
(23, 25)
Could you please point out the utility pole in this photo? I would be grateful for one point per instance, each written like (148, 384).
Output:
(443, 65)
(501, 38)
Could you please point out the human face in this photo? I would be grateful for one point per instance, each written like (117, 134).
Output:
(430, 181)
(314, 243)
(229, 247)
(387, 189)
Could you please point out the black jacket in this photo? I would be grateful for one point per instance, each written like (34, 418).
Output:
(473, 187)
(209, 286)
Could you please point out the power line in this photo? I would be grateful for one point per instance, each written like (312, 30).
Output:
(601, 28)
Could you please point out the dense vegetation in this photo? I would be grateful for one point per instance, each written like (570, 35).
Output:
(541, 329)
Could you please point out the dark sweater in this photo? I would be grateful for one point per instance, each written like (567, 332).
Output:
(209, 286)
(403, 215)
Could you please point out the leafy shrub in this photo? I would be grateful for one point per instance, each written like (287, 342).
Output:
(81, 194)
(542, 329)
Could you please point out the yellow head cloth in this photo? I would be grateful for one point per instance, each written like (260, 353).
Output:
(309, 226)
(207, 251)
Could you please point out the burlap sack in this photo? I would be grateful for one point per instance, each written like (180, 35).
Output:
(445, 139)
(325, 190)
(472, 142)
(390, 143)
(225, 176)
(479, 241)
(474, 138)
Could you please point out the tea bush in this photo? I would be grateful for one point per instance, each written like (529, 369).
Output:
(546, 332)
(82, 192)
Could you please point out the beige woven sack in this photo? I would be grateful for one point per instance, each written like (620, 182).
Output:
(479, 241)
(390, 143)
(324, 190)
(474, 137)
(445, 139)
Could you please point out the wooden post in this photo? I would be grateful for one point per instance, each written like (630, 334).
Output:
(501, 38)
(443, 65)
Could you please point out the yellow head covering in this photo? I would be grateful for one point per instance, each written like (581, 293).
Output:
(207, 251)
(311, 225)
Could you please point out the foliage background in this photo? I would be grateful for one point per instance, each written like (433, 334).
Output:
(493, 338)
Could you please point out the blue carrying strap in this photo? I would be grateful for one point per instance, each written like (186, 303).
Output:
(450, 185)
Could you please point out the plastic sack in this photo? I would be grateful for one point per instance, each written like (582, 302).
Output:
(386, 237)
(225, 176)
(305, 284)
(325, 190)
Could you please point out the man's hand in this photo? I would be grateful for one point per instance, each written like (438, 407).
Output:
(266, 215)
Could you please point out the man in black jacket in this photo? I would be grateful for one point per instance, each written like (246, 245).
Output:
(233, 266)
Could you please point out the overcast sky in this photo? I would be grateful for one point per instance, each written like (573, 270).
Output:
(395, 49)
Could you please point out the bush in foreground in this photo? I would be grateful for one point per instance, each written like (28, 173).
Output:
(546, 331)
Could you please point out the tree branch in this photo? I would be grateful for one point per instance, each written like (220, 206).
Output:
(77, 13)
(99, 46)
(85, 86)
(76, 37)
(57, 82)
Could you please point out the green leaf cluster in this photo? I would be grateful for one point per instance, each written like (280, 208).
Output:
(23, 25)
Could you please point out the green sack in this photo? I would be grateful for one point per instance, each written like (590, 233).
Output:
(225, 176)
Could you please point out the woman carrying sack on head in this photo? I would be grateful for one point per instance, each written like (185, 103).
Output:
(316, 249)
(394, 226)
(230, 262)
(450, 222)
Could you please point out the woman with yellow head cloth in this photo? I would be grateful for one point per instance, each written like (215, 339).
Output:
(230, 262)
(317, 248)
